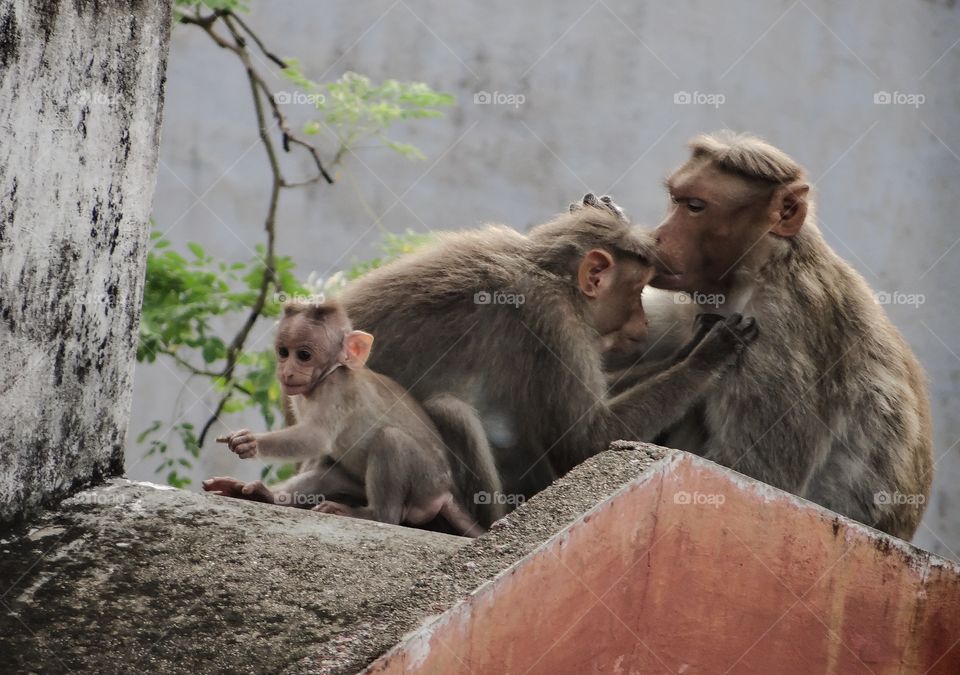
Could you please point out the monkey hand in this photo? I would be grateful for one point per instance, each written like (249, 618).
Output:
(243, 443)
(704, 321)
(605, 202)
(724, 342)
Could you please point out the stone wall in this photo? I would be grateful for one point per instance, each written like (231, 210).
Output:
(81, 90)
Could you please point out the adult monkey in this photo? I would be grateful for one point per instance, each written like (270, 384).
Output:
(497, 328)
(830, 403)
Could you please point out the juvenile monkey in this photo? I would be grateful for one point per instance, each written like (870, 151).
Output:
(351, 418)
(510, 328)
(830, 403)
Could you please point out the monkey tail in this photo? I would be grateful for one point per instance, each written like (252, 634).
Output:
(475, 473)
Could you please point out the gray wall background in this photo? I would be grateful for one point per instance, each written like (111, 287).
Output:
(599, 81)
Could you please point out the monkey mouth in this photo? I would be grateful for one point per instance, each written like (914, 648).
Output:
(292, 389)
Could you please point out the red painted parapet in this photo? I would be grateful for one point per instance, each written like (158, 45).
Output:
(696, 569)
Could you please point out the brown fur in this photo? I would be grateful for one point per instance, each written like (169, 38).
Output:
(532, 372)
(830, 403)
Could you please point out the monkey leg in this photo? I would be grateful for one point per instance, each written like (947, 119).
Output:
(313, 486)
(340, 509)
(475, 472)
(458, 517)
(408, 483)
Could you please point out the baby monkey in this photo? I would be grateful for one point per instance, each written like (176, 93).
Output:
(353, 422)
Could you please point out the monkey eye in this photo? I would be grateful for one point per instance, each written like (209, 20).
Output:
(303, 355)
(283, 352)
(696, 205)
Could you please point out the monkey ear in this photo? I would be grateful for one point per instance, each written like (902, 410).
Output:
(790, 203)
(356, 349)
(594, 272)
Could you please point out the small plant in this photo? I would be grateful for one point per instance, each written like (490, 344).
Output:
(187, 296)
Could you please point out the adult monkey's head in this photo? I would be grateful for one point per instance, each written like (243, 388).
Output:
(736, 201)
(607, 262)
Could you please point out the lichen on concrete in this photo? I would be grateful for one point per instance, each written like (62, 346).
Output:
(80, 105)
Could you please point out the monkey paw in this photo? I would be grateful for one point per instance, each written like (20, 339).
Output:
(605, 202)
(704, 321)
(725, 340)
(243, 443)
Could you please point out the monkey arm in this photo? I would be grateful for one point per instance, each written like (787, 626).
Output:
(621, 380)
(301, 441)
(624, 378)
(645, 409)
(657, 403)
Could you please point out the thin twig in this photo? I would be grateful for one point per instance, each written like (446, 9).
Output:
(259, 89)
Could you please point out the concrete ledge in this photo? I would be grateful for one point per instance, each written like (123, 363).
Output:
(130, 576)
(642, 559)
(694, 568)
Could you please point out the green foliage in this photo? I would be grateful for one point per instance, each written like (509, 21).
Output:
(183, 294)
(189, 298)
(354, 108)
(168, 462)
(182, 297)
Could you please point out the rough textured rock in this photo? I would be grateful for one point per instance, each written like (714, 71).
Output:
(127, 577)
(81, 89)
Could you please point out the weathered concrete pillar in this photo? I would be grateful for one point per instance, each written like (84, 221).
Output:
(81, 90)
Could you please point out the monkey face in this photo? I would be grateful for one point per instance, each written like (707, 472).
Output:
(305, 351)
(613, 289)
(714, 222)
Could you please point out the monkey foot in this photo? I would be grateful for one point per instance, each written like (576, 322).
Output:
(231, 487)
(334, 508)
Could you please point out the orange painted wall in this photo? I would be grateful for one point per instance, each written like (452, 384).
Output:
(693, 569)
